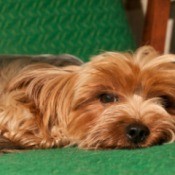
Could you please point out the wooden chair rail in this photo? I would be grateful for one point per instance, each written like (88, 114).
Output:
(155, 25)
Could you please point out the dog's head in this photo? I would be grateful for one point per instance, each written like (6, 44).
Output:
(124, 101)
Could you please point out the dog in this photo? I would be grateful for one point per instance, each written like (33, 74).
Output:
(115, 101)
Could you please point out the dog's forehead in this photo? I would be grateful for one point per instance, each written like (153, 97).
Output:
(128, 73)
(144, 58)
(110, 62)
(127, 63)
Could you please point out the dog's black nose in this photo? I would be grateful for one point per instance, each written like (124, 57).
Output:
(137, 133)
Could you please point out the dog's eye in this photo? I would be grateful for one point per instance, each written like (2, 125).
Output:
(168, 102)
(108, 98)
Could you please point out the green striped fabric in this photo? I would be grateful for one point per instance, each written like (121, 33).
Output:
(79, 27)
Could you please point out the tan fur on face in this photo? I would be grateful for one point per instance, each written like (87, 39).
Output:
(43, 106)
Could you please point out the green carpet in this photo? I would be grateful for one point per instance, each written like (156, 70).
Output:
(158, 160)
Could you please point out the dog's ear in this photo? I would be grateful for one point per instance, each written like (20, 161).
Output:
(45, 88)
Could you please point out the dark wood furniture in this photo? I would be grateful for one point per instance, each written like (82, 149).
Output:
(155, 26)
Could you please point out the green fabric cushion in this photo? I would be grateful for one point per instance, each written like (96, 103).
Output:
(158, 160)
(79, 27)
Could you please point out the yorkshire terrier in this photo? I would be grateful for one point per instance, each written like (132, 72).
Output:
(117, 100)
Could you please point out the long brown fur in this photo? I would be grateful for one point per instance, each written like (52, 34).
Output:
(44, 106)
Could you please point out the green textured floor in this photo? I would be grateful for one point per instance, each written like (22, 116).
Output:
(158, 160)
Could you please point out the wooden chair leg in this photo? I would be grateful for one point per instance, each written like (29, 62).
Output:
(155, 26)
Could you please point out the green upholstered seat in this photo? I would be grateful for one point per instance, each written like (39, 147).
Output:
(79, 27)
(158, 160)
